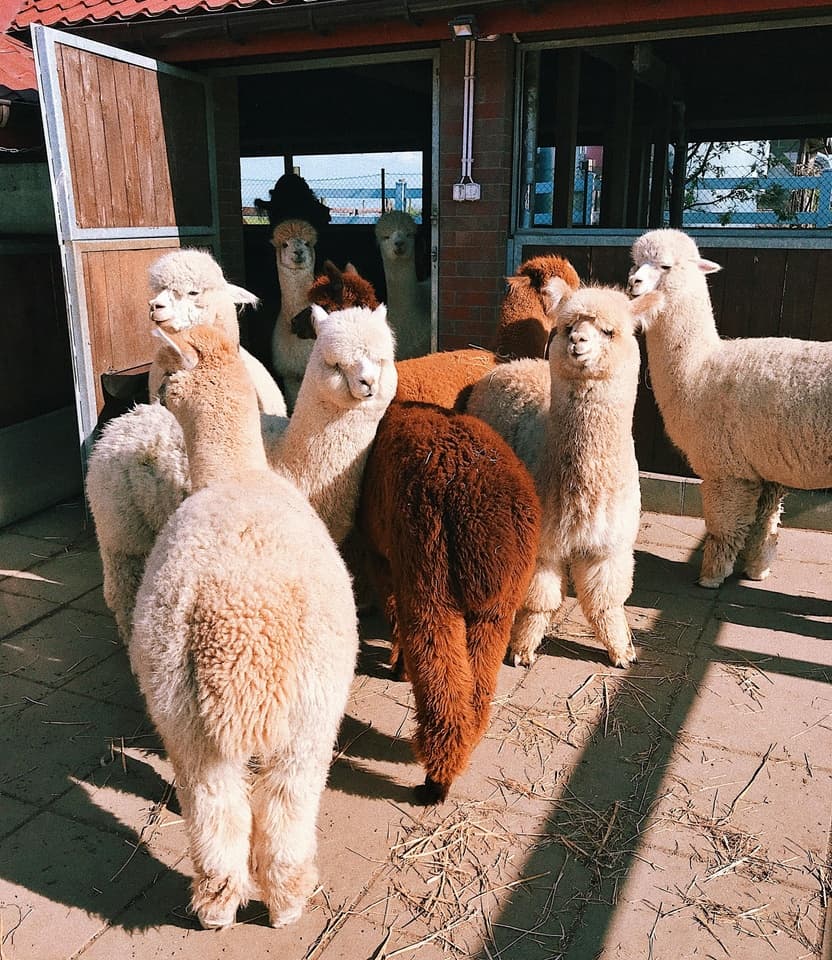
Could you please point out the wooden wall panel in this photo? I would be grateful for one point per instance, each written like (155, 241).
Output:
(137, 143)
(115, 284)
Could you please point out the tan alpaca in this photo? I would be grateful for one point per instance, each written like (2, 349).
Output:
(244, 643)
(408, 299)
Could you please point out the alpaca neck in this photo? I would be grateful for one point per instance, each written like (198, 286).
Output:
(294, 290)
(324, 450)
(402, 285)
(679, 342)
(223, 440)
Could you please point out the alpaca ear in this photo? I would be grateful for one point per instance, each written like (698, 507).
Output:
(646, 308)
(707, 266)
(318, 316)
(302, 326)
(553, 291)
(381, 312)
(518, 281)
(242, 296)
(350, 268)
(180, 345)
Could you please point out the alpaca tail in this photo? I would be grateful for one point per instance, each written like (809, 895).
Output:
(436, 659)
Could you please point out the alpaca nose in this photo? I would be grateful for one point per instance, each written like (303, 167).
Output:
(368, 385)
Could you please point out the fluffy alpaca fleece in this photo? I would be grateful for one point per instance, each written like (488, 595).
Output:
(350, 380)
(525, 321)
(408, 299)
(752, 416)
(576, 437)
(444, 378)
(451, 520)
(188, 288)
(244, 644)
(136, 477)
(294, 243)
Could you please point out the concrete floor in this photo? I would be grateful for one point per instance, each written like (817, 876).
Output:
(678, 809)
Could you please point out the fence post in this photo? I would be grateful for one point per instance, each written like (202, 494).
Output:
(383, 194)
(824, 199)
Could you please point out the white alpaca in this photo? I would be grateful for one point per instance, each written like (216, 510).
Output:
(294, 243)
(189, 288)
(244, 644)
(576, 438)
(752, 416)
(408, 299)
(349, 382)
(138, 471)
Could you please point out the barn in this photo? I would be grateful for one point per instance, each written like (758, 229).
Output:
(545, 126)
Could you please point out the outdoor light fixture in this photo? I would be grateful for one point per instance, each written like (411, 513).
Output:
(464, 27)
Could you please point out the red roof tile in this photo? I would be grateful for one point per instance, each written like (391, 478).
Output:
(17, 67)
(67, 12)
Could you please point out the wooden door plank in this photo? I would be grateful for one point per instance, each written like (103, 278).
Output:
(113, 142)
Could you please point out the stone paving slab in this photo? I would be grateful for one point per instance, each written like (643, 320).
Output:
(678, 809)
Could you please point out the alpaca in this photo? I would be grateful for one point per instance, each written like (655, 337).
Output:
(244, 645)
(451, 521)
(294, 242)
(292, 198)
(525, 316)
(334, 290)
(752, 416)
(408, 300)
(350, 380)
(188, 288)
(577, 440)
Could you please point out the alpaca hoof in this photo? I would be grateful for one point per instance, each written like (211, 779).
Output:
(711, 583)
(431, 792)
(625, 658)
(523, 658)
(287, 914)
(755, 573)
(215, 903)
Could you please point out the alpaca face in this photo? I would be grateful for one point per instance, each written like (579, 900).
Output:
(663, 259)
(594, 335)
(398, 244)
(294, 253)
(174, 310)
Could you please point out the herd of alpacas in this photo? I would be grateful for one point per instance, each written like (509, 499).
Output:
(468, 488)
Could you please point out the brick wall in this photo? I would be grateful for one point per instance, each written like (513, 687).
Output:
(473, 234)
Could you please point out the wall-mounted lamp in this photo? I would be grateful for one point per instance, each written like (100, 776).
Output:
(464, 27)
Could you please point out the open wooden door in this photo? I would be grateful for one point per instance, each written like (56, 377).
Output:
(130, 145)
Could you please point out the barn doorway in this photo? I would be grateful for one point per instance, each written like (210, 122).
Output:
(363, 132)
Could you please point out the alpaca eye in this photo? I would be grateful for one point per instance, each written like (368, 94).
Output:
(567, 329)
(666, 266)
(193, 293)
(608, 333)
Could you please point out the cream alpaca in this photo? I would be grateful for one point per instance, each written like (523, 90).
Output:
(752, 416)
(244, 643)
(349, 382)
(408, 299)
(576, 438)
(189, 288)
(294, 243)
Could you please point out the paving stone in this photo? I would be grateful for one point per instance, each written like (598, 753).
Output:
(92, 601)
(59, 737)
(62, 523)
(110, 680)
(18, 553)
(16, 611)
(62, 578)
(13, 813)
(60, 647)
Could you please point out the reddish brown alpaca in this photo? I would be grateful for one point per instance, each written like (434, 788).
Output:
(452, 521)
(524, 323)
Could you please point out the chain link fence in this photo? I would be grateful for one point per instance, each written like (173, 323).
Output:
(350, 199)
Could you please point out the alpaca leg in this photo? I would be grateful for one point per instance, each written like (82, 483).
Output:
(602, 585)
(543, 598)
(285, 799)
(730, 507)
(379, 571)
(761, 544)
(214, 797)
(437, 660)
(123, 574)
(488, 638)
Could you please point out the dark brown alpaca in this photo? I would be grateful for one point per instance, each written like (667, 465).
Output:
(451, 520)
(524, 323)
(334, 290)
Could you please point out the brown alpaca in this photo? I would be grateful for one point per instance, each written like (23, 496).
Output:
(452, 522)
(524, 321)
